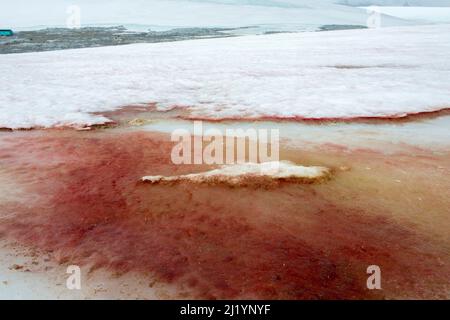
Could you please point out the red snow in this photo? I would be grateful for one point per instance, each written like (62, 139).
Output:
(224, 243)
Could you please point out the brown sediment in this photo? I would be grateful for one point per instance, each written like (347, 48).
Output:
(146, 111)
(140, 114)
(397, 118)
(244, 181)
(133, 115)
(122, 115)
(109, 124)
(81, 202)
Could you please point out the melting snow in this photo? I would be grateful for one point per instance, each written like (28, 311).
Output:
(339, 74)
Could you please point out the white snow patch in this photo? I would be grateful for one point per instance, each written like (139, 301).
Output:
(340, 74)
(238, 174)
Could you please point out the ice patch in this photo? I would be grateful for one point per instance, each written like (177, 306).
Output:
(254, 174)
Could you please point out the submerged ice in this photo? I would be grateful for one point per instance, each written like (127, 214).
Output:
(254, 174)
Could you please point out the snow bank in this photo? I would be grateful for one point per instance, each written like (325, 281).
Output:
(255, 174)
(340, 74)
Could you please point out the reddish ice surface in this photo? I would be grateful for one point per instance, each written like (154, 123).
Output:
(83, 203)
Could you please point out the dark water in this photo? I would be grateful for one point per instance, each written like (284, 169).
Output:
(62, 38)
(332, 27)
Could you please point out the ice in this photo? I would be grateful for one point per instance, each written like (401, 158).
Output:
(239, 174)
(338, 74)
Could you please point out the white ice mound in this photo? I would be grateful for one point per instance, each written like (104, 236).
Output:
(254, 174)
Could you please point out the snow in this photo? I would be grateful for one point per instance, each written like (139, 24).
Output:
(237, 174)
(339, 74)
(25, 14)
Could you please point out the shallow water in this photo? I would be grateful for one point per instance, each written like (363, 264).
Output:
(50, 39)
(429, 133)
(76, 196)
(45, 38)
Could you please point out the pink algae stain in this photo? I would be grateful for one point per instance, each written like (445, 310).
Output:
(287, 243)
